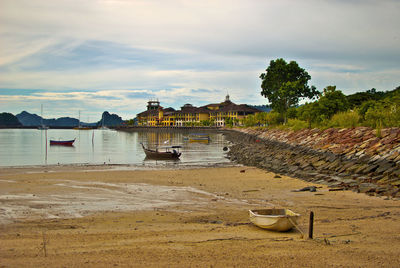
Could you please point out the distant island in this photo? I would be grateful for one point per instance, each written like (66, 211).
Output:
(26, 119)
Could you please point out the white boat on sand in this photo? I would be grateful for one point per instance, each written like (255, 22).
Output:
(274, 219)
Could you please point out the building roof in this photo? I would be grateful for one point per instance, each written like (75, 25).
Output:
(147, 113)
(226, 106)
(238, 108)
(193, 110)
(166, 111)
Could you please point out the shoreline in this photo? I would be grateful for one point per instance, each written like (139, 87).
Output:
(110, 167)
(346, 159)
(191, 217)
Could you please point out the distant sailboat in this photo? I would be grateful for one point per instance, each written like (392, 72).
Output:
(42, 126)
(79, 127)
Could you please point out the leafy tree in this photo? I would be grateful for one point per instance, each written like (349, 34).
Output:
(292, 112)
(356, 99)
(331, 102)
(284, 84)
(250, 120)
(132, 122)
(205, 123)
(261, 118)
(274, 118)
(309, 112)
(229, 122)
(385, 113)
(365, 107)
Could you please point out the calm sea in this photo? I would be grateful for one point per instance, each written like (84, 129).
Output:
(21, 147)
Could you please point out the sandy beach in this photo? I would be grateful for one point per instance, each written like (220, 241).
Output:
(73, 216)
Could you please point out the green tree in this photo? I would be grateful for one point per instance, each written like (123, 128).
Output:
(207, 122)
(284, 84)
(274, 118)
(292, 113)
(364, 108)
(229, 122)
(385, 113)
(358, 98)
(309, 112)
(250, 120)
(261, 118)
(331, 102)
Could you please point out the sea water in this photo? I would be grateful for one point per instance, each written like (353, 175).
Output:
(22, 147)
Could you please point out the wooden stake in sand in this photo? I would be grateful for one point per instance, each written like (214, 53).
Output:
(311, 226)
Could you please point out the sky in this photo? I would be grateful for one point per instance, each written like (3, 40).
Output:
(115, 55)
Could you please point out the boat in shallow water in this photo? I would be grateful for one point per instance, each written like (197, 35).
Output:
(62, 143)
(198, 137)
(275, 219)
(167, 152)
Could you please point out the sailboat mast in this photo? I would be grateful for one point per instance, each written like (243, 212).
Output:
(41, 114)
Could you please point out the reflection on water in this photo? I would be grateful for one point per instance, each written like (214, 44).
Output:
(29, 147)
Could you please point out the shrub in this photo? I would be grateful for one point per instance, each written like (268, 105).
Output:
(274, 118)
(384, 114)
(249, 121)
(296, 124)
(347, 119)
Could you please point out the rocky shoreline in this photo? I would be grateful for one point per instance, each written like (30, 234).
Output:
(344, 159)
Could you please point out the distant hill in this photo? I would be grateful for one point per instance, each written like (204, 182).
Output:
(29, 120)
(61, 122)
(358, 98)
(110, 120)
(9, 120)
(262, 108)
(33, 120)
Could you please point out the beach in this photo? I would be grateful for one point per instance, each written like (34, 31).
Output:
(104, 216)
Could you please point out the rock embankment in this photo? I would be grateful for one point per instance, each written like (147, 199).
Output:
(356, 159)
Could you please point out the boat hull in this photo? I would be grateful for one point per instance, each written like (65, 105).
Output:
(274, 219)
(62, 143)
(199, 137)
(153, 154)
(161, 155)
(82, 128)
(203, 140)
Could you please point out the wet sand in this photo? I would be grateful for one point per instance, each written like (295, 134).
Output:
(100, 217)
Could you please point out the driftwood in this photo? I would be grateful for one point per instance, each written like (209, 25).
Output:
(44, 244)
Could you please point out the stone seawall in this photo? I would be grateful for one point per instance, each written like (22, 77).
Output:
(357, 159)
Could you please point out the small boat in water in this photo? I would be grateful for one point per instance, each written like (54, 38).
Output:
(63, 143)
(198, 137)
(169, 152)
(274, 219)
(82, 128)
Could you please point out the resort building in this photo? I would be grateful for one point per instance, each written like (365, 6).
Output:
(216, 114)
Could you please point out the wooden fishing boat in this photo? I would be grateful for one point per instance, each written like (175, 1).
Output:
(274, 219)
(167, 152)
(63, 143)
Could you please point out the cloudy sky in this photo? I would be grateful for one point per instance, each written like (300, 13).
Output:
(115, 55)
